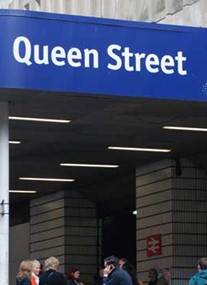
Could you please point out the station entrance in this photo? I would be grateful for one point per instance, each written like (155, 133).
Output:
(96, 138)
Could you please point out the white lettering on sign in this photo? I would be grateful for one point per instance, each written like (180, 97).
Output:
(25, 53)
(25, 57)
(120, 58)
(124, 58)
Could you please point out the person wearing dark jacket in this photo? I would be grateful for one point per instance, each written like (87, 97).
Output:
(24, 275)
(73, 277)
(126, 265)
(200, 278)
(51, 276)
(153, 275)
(113, 274)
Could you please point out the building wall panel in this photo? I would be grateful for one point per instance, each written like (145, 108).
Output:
(177, 213)
(178, 12)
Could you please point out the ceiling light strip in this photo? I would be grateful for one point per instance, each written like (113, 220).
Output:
(139, 149)
(23, 191)
(14, 142)
(185, 128)
(39, 120)
(89, 165)
(46, 179)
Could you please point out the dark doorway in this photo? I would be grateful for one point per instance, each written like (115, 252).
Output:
(119, 236)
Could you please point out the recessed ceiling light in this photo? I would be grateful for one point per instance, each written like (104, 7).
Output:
(185, 128)
(46, 179)
(39, 120)
(14, 142)
(89, 165)
(23, 191)
(139, 149)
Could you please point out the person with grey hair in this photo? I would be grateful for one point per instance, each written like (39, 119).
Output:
(51, 276)
(200, 278)
(35, 270)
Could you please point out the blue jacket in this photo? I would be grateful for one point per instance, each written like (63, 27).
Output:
(199, 278)
(117, 277)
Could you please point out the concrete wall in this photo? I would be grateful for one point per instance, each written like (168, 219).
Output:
(178, 12)
(64, 224)
(19, 237)
(172, 202)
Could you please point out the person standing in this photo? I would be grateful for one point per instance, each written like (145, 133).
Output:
(165, 277)
(113, 274)
(24, 275)
(200, 278)
(73, 278)
(126, 265)
(153, 275)
(51, 276)
(35, 272)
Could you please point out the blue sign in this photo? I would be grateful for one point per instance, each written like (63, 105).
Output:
(53, 52)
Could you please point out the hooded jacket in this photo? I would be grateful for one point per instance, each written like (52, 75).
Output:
(199, 278)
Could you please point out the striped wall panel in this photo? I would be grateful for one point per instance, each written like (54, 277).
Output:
(47, 227)
(154, 206)
(173, 204)
(64, 224)
(81, 236)
(189, 218)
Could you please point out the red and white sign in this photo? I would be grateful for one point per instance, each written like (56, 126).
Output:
(154, 245)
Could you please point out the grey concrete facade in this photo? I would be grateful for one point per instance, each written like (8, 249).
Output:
(178, 12)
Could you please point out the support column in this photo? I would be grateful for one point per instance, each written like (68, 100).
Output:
(4, 193)
(64, 224)
(171, 201)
